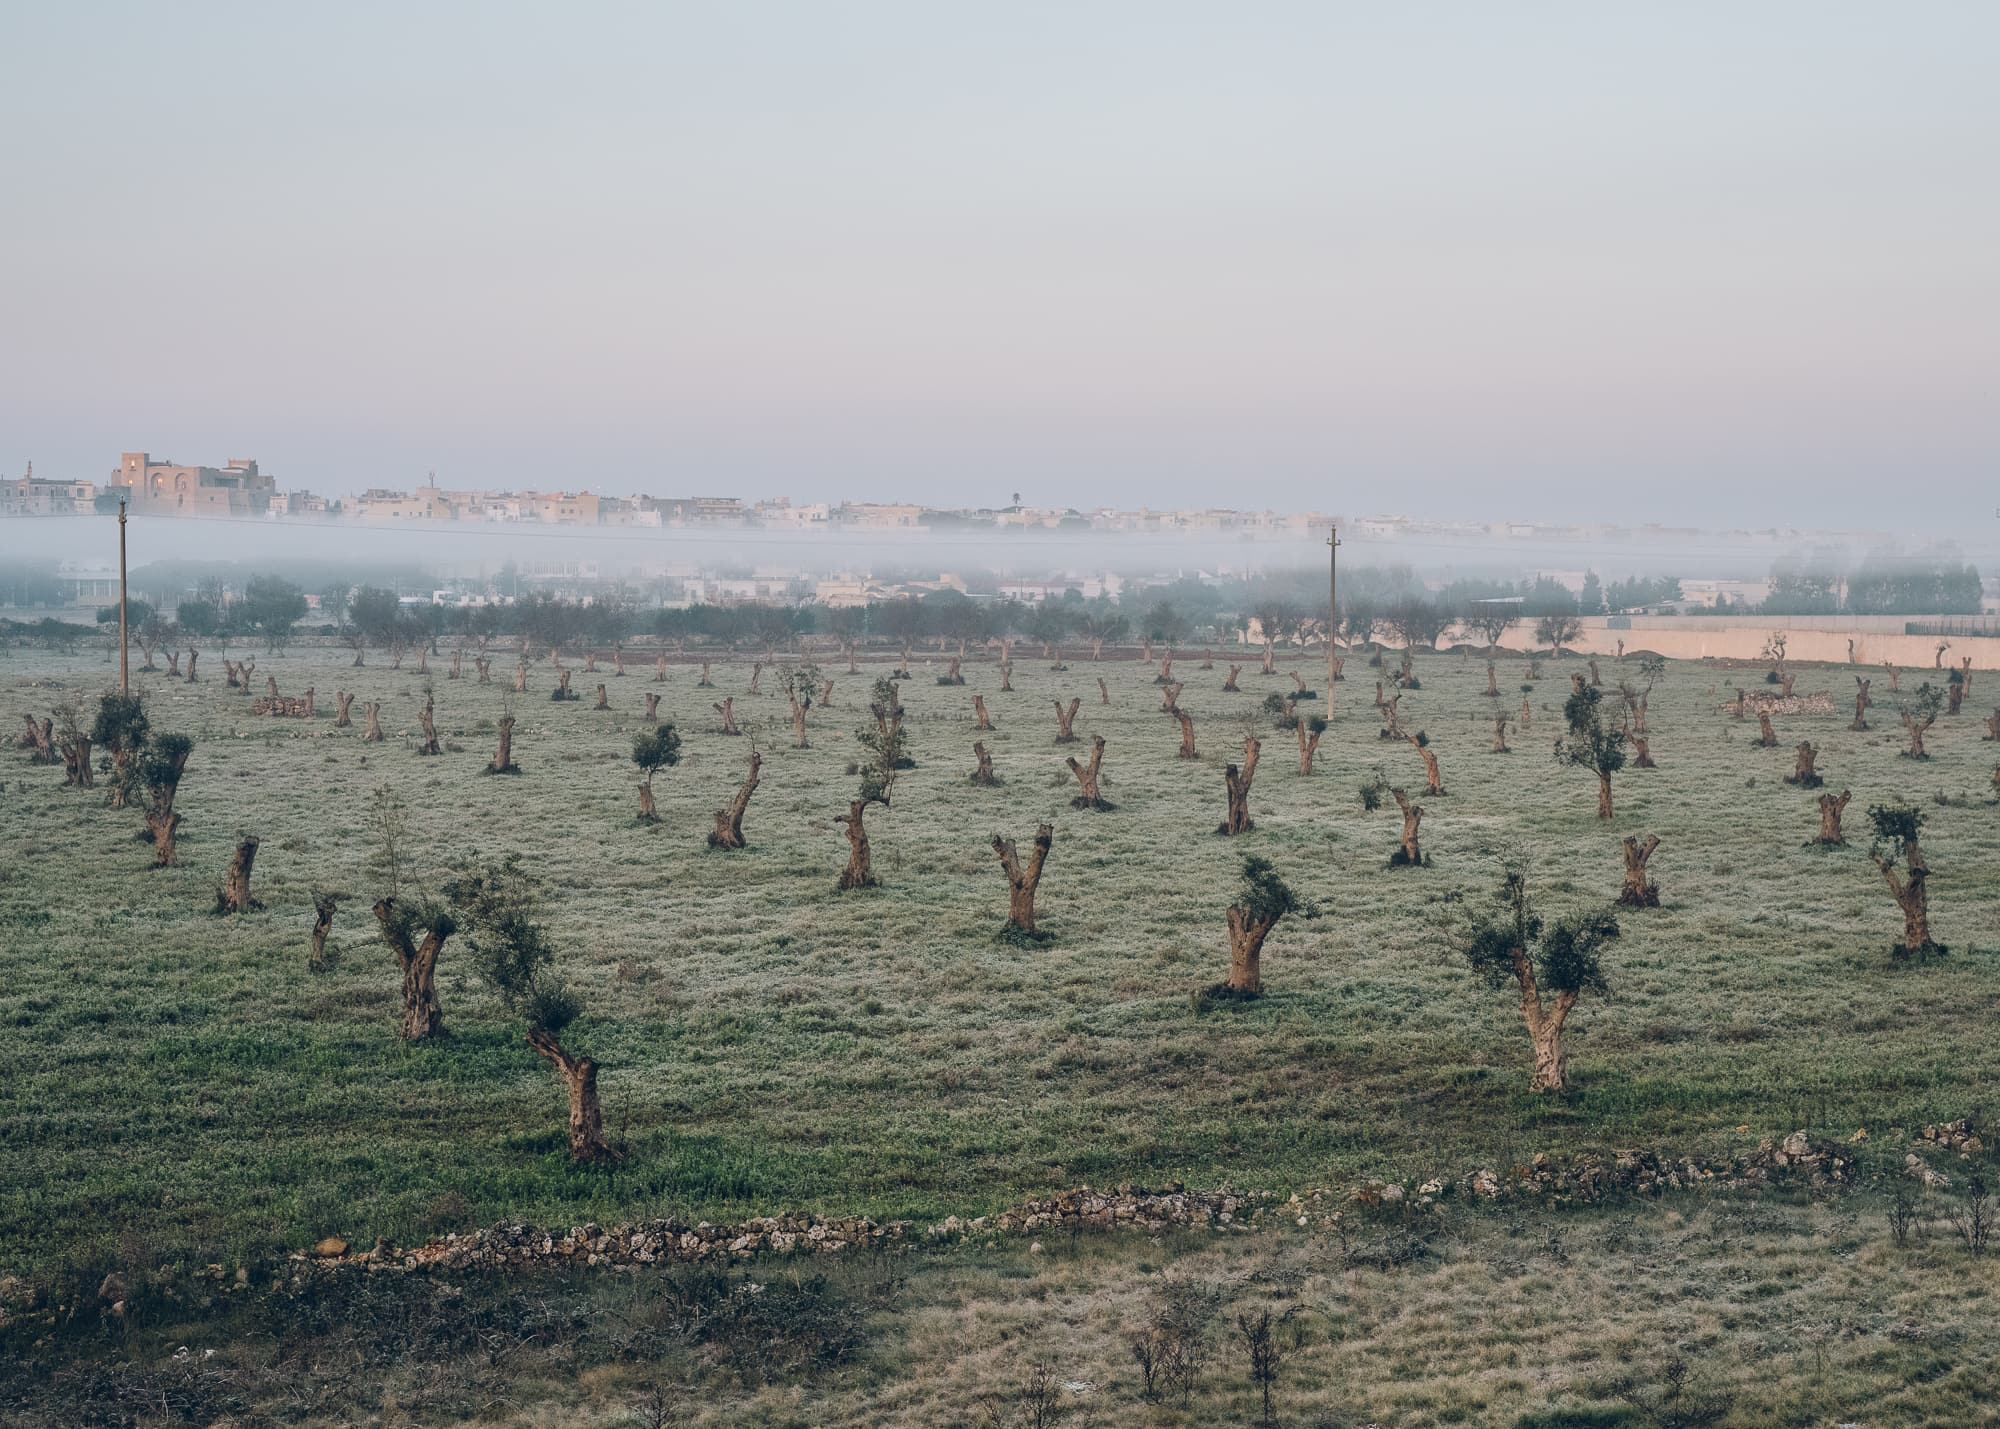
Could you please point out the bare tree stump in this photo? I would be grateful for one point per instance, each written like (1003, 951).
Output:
(1639, 891)
(521, 678)
(503, 757)
(342, 700)
(1065, 734)
(1804, 774)
(1500, 736)
(860, 870)
(1236, 786)
(325, 905)
(980, 720)
(1088, 796)
(234, 894)
(1247, 932)
(652, 708)
(984, 773)
(372, 713)
(1023, 879)
(1492, 681)
(704, 683)
(1187, 734)
(1412, 849)
(193, 655)
(1007, 676)
(424, 718)
(727, 709)
(1830, 810)
(1103, 694)
(1230, 683)
(660, 669)
(1861, 703)
(1642, 757)
(1433, 780)
(1308, 745)
(1767, 737)
(728, 831)
(579, 1078)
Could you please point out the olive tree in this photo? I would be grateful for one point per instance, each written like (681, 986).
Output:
(1551, 966)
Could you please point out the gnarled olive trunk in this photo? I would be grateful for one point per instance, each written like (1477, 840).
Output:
(193, 655)
(1830, 810)
(579, 1079)
(424, 718)
(1007, 675)
(728, 830)
(41, 739)
(76, 761)
(1916, 728)
(1236, 787)
(980, 720)
(1065, 719)
(1804, 774)
(603, 701)
(727, 709)
(1433, 780)
(1103, 692)
(371, 712)
(1023, 879)
(1527, 712)
(1308, 745)
(1230, 683)
(798, 719)
(1913, 897)
(1603, 794)
(503, 757)
(1247, 933)
(652, 708)
(860, 870)
(660, 669)
(1861, 703)
(342, 701)
(521, 678)
(1492, 681)
(1187, 734)
(234, 895)
(1412, 849)
(1642, 757)
(1639, 891)
(325, 905)
(984, 773)
(457, 665)
(1086, 777)
(1767, 737)
(1500, 736)
(422, 1016)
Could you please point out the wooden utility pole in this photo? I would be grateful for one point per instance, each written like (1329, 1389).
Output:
(1332, 605)
(124, 649)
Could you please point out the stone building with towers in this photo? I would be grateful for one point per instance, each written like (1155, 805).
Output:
(163, 489)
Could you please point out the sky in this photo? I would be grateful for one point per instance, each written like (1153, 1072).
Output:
(1707, 263)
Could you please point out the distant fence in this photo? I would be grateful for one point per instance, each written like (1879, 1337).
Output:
(1954, 625)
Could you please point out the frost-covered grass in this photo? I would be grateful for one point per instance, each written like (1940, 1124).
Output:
(184, 1082)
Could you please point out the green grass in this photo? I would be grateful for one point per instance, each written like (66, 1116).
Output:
(174, 1080)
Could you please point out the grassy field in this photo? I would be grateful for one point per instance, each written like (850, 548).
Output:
(175, 1085)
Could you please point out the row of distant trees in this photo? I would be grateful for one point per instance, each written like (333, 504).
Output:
(1375, 602)
(1902, 588)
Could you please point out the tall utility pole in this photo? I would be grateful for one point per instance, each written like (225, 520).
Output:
(124, 650)
(1332, 605)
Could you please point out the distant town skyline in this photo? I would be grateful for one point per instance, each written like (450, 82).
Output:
(1706, 267)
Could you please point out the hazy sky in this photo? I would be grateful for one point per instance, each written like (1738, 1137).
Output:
(1705, 261)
